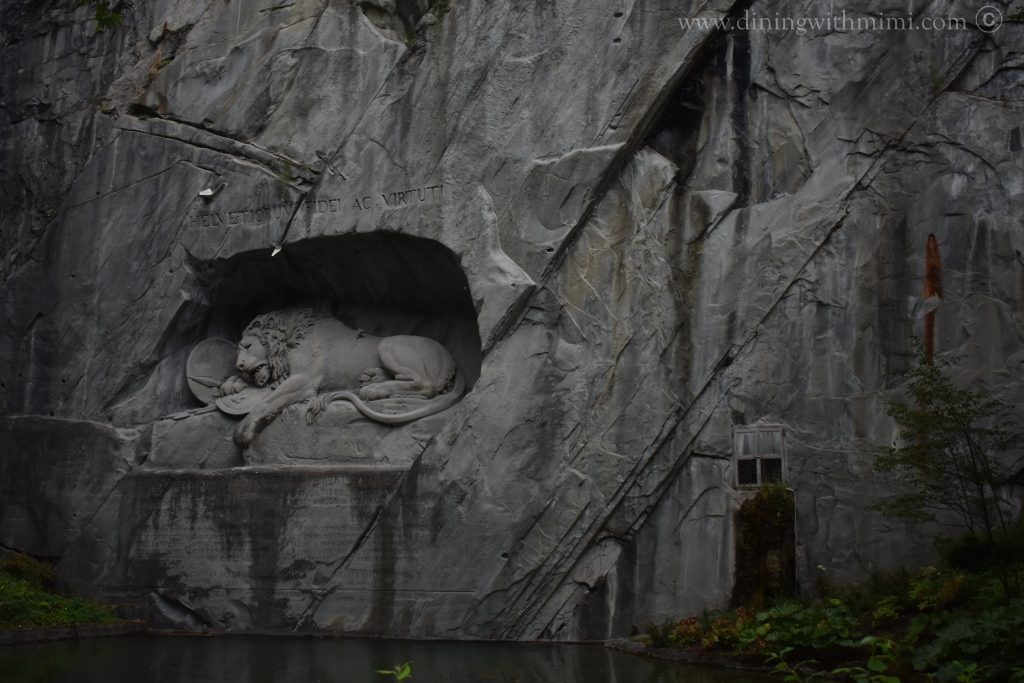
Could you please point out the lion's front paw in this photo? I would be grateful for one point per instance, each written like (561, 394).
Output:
(245, 432)
(232, 385)
(372, 376)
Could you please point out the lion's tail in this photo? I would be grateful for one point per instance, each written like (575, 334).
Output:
(432, 405)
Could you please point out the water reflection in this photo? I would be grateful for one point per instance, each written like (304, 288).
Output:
(143, 659)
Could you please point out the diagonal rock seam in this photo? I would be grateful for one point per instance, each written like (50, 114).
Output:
(518, 612)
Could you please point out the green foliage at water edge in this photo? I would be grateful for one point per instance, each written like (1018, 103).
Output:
(26, 604)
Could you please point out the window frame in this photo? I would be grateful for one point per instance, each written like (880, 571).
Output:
(758, 457)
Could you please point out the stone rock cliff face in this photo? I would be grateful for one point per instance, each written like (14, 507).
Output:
(665, 234)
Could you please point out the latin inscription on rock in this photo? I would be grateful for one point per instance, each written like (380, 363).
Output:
(282, 529)
(377, 200)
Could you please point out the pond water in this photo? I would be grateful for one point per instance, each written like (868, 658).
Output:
(236, 659)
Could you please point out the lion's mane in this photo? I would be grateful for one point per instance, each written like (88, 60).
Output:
(280, 332)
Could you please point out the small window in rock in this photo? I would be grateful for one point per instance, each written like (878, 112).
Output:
(760, 455)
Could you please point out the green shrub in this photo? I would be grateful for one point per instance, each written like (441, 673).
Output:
(660, 635)
(934, 589)
(945, 624)
(956, 449)
(992, 638)
(882, 663)
(727, 630)
(24, 604)
(976, 553)
(887, 610)
(26, 567)
(688, 631)
(765, 548)
(107, 13)
(886, 593)
(710, 630)
(808, 627)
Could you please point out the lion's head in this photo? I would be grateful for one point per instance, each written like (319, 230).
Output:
(263, 352)
(252, 360)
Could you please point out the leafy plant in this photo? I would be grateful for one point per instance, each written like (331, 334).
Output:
(727, 629)
(688, 631)
(24, 604)
(887, 610)
(400, 672)
(947, 625)
(22, 566)
(791, 673)
(661, 635)
(952, 440)
(881, 662)
(765, 547)
(966, 672)
(934, 588)
(107, 13)
(993, 638)
(1004, 550)
(808, 627)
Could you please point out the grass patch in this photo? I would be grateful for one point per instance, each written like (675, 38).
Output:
(26, 601)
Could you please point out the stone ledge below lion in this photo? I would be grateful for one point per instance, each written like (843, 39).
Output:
(202, 439)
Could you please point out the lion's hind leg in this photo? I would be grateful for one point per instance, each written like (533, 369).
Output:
(404, 384)
(421, 368)
(373, 376)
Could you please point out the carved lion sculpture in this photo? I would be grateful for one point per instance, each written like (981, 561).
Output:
(290, 356)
